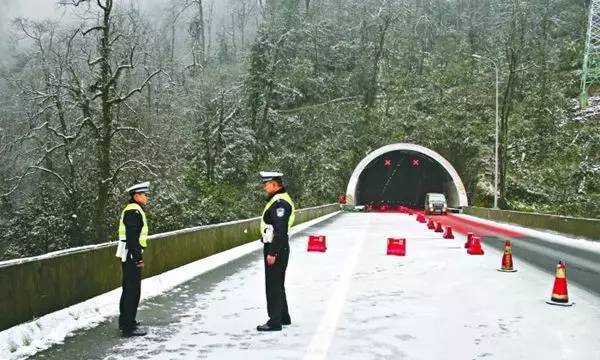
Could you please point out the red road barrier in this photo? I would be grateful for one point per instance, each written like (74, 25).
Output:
(317, 243)
(396, 247)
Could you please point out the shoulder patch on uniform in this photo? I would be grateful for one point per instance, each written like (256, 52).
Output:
(280, 212)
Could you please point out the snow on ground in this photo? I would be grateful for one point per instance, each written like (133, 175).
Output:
(354, 302)
(29, 338)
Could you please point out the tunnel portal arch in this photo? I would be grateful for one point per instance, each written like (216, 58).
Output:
(402, 173)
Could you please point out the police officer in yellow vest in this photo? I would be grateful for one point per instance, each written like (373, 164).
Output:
(133, 234)
(277, 218)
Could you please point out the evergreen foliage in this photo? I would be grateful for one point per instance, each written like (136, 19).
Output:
(199, 102)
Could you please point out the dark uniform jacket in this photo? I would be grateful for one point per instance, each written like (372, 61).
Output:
(278, 216)
(133, 227)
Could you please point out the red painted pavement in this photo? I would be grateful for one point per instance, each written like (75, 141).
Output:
(464, 225)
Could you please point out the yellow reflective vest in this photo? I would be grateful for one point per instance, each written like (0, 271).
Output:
(143, 233)
(281, 196)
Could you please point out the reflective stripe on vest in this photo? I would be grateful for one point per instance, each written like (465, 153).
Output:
(281, 196)
(143, 233)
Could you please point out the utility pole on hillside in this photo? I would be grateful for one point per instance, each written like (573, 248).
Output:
(590, 74)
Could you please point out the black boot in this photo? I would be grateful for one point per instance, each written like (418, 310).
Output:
(268, 327)
(134, 332)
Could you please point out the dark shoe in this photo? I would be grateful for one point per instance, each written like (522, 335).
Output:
(134, 332)
(267, 327)
(286, 322)
(135, 325)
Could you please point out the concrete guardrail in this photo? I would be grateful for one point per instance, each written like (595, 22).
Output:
(36, 286)
(588, 228)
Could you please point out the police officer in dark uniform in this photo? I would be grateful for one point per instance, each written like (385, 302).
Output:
(133, 235)
(278, 216)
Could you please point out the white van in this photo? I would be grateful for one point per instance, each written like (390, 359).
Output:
(435, 203)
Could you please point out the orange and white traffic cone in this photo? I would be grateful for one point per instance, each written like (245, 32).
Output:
(475, 248)
(448, 233)
(469, 242)
(507, 261)
(430, 224)
(560, 295)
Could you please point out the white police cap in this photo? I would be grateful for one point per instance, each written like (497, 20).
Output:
(139, 188)
(270, 175)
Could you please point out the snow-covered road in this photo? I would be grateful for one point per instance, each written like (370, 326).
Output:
(354, 302)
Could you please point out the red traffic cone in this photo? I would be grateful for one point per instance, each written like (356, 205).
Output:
(430, 224)
(396, 247)
(448, 233)
(560, 295)
(475, 248)
(438, 227)
(317, 243)
(421, 218)
(507, 261)
(469, 242)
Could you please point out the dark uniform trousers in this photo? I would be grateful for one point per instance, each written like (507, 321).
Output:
(277, 306)
(130, 297)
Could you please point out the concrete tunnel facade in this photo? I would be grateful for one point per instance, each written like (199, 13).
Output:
(401, 174)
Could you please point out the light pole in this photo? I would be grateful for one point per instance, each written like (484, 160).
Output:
(479, 57)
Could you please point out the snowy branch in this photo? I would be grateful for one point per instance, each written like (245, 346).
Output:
(19, 179)
(122, 67)
(334, 101)
(55, 174)
(126, 165)
(127, 128)
(84, 33)
(136, 90)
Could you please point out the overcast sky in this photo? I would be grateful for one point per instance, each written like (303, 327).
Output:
(44, 9)
(37, 9)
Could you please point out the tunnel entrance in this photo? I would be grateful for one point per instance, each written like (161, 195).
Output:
(401, 174)
(400, 178)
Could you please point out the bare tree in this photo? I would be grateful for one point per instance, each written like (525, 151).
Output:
(197, 33)
(111, 63)
(55, 129)
(242, 12)
(514, 48)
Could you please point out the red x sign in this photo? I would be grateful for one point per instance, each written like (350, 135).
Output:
(387, 162)
(416, 162)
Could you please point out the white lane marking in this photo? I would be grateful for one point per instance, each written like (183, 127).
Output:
(321, 340)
